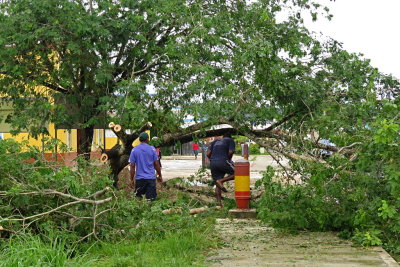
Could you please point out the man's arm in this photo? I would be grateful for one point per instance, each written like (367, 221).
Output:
(230, 154)
(158, 170)
(231, 148)
(133, 174)
(209, 151)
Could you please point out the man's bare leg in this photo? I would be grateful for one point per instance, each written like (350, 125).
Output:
(220, 182)
(218, 195)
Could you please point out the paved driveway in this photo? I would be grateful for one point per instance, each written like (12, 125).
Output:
(185, 166)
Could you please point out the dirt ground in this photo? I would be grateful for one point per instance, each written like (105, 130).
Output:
(248, 243)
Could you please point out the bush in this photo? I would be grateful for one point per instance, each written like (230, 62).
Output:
(167, 151)
(358, 196)
(254, 149)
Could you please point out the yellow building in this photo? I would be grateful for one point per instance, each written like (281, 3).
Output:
(103, 138)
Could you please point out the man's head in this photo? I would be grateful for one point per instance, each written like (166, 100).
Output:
(227, 134)
(143, 137)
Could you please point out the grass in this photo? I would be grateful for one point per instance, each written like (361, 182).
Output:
(184, 248)
(30, 250)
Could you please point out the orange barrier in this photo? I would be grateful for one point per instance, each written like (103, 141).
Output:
(242, 183)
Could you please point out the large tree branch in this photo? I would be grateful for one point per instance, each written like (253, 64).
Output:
(120, 54)
(171, 139)
(46, 84)
(55, 87)
(145, 69)
(271, 144)
(282, 121)
(122, 70)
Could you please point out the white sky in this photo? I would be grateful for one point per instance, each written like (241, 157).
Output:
(370, 27)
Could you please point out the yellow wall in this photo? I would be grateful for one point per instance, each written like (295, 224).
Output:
(62, 135)
(69, 139)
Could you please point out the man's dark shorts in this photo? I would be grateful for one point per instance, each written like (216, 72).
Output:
(146, 187)
(195, 152)
(220, 168)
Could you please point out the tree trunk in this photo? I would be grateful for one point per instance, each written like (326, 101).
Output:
(118, 155)
(84, 141)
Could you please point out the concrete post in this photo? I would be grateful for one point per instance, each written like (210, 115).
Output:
(245, 151)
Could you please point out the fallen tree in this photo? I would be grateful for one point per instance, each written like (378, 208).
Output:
(270, 138)
(73, 220)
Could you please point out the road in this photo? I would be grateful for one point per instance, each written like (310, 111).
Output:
(185, 166)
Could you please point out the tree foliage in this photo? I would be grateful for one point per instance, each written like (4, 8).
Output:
(87, 54)
(242, 63)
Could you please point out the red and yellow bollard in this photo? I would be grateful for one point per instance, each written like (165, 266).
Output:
(242, 183)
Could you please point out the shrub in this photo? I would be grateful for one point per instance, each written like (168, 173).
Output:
(254, 149)
(358, 196)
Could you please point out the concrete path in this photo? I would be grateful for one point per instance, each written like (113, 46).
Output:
(183, 167)
(247, 243)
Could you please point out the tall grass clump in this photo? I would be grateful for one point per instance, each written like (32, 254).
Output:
(34, 250)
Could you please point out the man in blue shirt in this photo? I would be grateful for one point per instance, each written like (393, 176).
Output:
(220, 154)
(144, 164)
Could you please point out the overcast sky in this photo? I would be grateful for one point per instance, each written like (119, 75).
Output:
(370, 27)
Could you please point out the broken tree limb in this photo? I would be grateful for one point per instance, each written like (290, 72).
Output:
(100, 193)
(286, 153)
(206, 192)
(117, 128)
(172, 211)
(179, 210)
(60, 207)
(269, 138)
(120, 133)
(27, 221)
(118, 155)
(104, 157)
(171, 139)
(198, 210)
